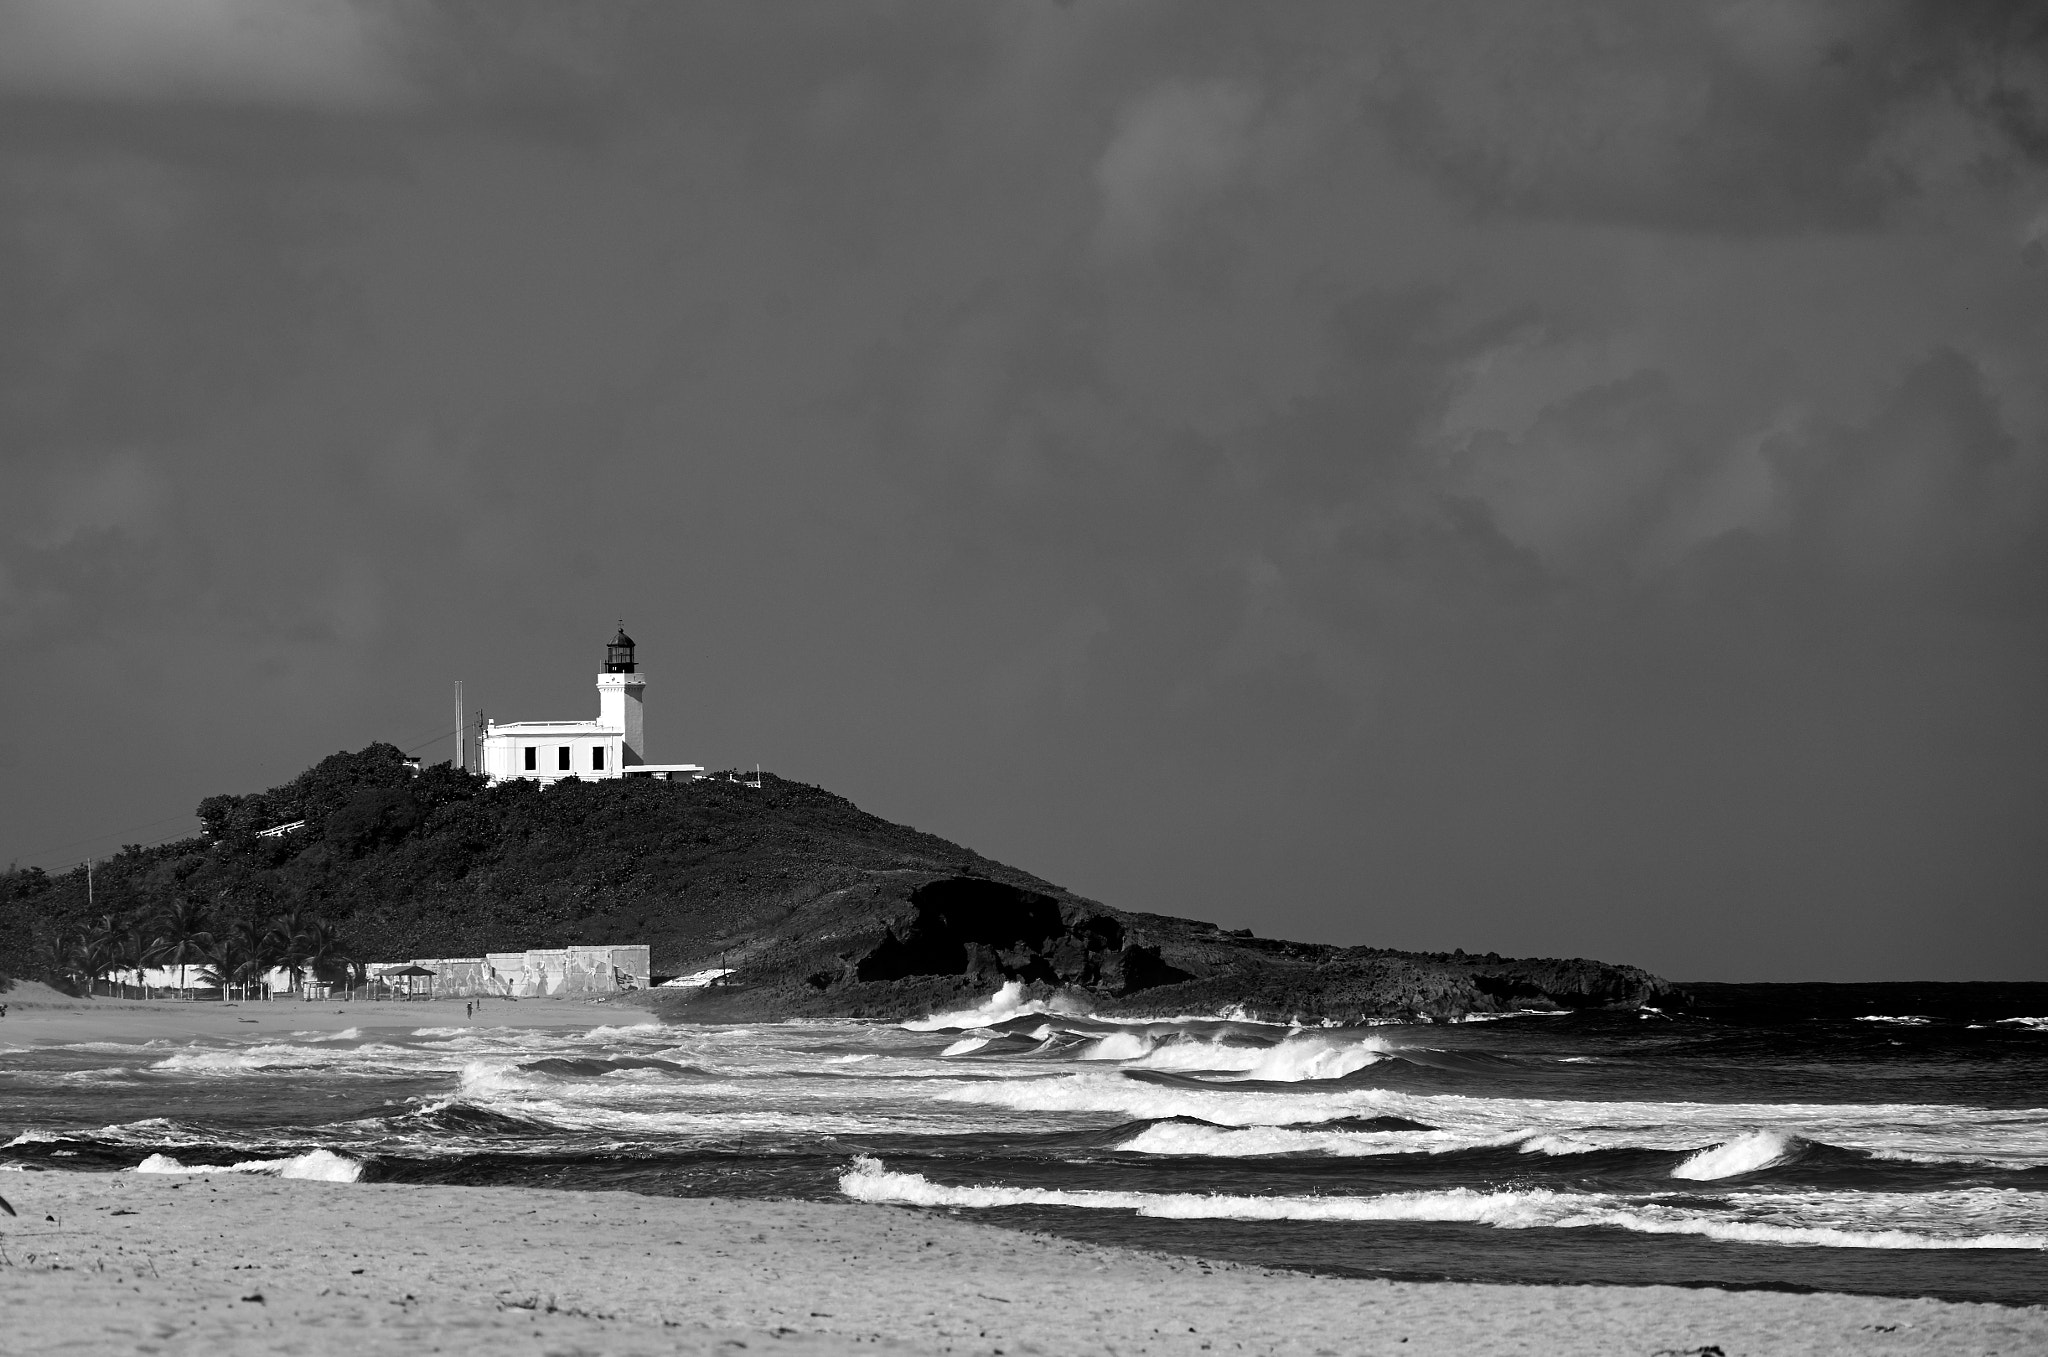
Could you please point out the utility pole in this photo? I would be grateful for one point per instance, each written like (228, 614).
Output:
(88, 884)
(461, 731)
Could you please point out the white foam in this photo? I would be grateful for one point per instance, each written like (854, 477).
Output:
(966, 1044)
(2010, 1137)
(1305, 1054)
(1299, 1058)
(653, 1026)
(2030, 1024)
(322, 1166)
(257, 1059)
(1222, 1142)
(869, 1180)
(33, 1137)
(1555, 1145)
(1744, 1154)
(1909, 1020)
(1116, 1046)
(1006, 1003)
(696, 979)
(112, 1047)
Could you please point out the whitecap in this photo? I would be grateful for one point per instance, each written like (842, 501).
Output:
(967, 1044)
(34, 1137)
(1006, 1003)
(1744, 1154)
(1189, 1139)
(652, 1027)
(1116, 1046)
(1839, 1220)
(323, 1166)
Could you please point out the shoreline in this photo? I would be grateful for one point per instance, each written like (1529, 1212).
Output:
(39, 1015)
(231, 1263)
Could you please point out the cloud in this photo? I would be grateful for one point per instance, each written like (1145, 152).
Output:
(1176, 147)
(1737, 117)
(322, 54)
(122, 492)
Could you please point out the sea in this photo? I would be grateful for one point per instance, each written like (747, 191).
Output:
(1884, 1139)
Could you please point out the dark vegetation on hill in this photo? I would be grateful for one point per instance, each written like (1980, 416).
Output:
(815, 906)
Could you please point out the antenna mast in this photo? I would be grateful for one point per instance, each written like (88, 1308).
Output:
(461, 732)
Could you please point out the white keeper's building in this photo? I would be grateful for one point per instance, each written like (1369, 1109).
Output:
(611, 746)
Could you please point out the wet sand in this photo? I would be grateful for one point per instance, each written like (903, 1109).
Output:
(38, 1015)
(231, 1264)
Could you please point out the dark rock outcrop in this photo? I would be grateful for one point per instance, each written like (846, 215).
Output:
(902, 944)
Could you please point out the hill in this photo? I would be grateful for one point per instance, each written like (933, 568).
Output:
(815, 906)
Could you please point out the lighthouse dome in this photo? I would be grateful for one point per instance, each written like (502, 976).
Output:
(618, 656)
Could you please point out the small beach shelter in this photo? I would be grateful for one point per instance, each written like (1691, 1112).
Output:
(412, 976)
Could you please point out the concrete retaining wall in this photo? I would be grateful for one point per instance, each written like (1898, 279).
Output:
(537, 972)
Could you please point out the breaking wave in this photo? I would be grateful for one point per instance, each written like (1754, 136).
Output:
(1002, 1006)
(1190, 1139)
(322, 1166)
(373, 1059)
(1744, 1154)
(1299, 1057)
(868, 1180)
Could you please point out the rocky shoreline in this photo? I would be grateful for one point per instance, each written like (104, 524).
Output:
(901, 944)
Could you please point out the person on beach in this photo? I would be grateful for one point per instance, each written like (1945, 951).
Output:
(469, 1012)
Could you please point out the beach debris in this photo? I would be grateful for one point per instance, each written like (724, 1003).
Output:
(5, 1207)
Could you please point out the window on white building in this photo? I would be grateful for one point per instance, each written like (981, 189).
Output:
(562, 758)
(597, 758)
(532, 758)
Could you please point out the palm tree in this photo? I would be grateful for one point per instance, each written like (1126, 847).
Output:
(231, 958)
(284, 941)
(134, 949)
(323, 949)
(89, 953)
(181, 935)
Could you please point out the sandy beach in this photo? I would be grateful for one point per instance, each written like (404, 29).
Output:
(237, 1263)
(37, 1015)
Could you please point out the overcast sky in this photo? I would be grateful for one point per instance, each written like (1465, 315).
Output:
(1548, 478)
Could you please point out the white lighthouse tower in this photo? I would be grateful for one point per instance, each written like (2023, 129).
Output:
(619, 690)
(614, 745)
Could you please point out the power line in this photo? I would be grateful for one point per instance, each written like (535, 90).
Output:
(74, 866)
(415, 748)
(111, 833)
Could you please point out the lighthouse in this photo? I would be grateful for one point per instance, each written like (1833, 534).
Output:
(619, 690)
(614, 745)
